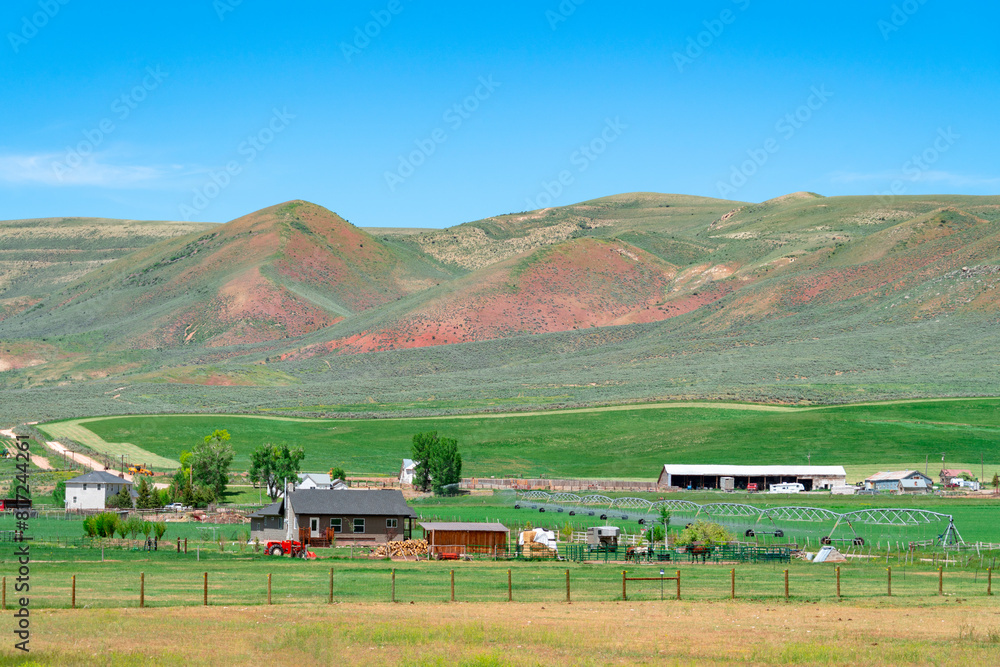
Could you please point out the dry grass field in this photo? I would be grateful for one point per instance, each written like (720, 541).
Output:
(953, 632)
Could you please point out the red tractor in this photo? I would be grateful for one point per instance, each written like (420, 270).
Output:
(289, 548)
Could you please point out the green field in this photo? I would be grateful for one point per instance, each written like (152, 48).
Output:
(631, 442)
(173, 579)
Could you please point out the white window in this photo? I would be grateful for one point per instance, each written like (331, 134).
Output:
(359, 525)
(391, 523)
(84, 486)
(337, 525)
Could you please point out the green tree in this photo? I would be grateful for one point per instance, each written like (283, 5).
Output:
(996, 482)
(121, 500)
(147, 499)
(159, 528)
(338, 473)
(59, 493)
(210, 462)
(423, 446)
(271, 465)
(181, 481)
(446, 466)
(162, 497)
(703, 533)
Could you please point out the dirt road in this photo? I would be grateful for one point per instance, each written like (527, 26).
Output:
(39, 461)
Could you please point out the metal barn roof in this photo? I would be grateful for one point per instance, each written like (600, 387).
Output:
(895, 475)
(459, 526)
(753, 471)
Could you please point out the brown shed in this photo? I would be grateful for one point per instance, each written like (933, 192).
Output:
(458, 537)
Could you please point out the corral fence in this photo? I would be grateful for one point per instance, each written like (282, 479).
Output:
(567, 485)
(147, 584)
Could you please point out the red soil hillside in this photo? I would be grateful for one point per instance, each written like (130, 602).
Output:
(281, 272)
(575, 285)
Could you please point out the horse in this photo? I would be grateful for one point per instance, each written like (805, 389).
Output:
(636, 553)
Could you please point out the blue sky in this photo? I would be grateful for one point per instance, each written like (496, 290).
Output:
(210, 109)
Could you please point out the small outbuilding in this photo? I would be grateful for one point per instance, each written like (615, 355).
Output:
(460, 537)
(949, 474)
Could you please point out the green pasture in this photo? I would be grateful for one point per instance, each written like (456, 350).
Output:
(629, 442)
(173, 579)
(977, 519)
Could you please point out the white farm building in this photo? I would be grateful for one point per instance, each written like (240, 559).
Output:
(91, 491)
(708, 476)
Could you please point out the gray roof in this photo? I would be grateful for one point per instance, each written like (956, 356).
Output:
(459, 526)
(317, 477)
(98, 477)
(346, 502)
(274, 509)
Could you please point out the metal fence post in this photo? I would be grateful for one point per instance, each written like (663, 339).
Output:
(888, 571)
(5, 593)
(941, 580)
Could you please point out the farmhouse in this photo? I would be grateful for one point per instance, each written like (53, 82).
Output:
(708, 476)
(321, 516)
(459, 537)
(900, 481)
(92, 491)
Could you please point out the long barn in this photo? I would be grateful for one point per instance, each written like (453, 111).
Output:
(708, 476)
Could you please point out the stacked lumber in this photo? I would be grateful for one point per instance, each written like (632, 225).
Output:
(400, 549)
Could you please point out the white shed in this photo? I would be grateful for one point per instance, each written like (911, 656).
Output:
(407, 471)
(91, 491)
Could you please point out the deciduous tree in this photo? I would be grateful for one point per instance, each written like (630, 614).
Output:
(271, 464)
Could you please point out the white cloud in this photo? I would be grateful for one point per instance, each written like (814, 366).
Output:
(60, 170)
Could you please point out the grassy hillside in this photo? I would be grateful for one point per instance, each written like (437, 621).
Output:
(630, 442)
(632, 297)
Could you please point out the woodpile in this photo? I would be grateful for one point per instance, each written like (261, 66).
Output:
(401, 549)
